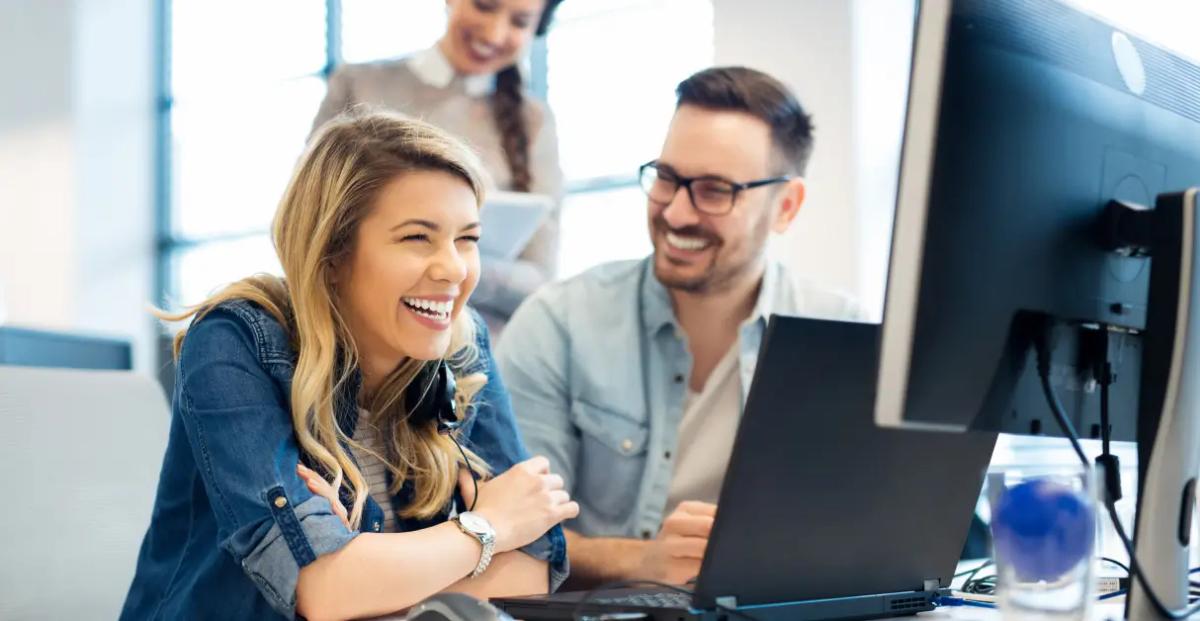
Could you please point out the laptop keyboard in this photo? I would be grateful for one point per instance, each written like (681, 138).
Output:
(655, 599)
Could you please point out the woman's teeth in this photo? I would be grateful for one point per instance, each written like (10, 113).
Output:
(483, 51)
(431, 308)
(686, 243)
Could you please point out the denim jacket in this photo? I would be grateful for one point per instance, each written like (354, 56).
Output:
(598, 368)
(233, 523)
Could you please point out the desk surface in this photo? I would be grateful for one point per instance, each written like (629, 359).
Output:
(1102, 611)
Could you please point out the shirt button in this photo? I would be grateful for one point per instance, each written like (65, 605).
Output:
(679, 378)
(667, 455)
(280, 502)
(646, 534)
(627, 445)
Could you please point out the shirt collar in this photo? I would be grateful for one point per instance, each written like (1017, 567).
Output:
(433, 68)
(657, 311)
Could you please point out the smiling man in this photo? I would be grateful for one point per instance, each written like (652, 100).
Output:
(631, 377)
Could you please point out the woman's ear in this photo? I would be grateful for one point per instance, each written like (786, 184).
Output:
(337, 272)
(790, 200)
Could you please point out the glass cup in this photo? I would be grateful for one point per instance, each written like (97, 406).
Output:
(1044, 537)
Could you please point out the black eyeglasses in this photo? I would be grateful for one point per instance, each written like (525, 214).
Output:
(711, 195)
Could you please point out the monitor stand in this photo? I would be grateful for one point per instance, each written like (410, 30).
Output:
(1169, 404)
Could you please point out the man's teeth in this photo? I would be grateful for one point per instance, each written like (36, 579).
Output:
(432, 308)
(686, 243)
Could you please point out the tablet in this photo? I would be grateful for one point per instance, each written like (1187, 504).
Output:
(509, 221)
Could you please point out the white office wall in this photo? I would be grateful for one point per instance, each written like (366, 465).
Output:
(36, 162)
(882, 42)
(807, 44)
(76, 167)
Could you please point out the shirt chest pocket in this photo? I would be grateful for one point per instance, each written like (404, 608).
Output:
(612, 460)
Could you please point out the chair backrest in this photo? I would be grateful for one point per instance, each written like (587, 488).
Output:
(80, 454)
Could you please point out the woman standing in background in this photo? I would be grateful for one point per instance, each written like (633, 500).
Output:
(469, 84)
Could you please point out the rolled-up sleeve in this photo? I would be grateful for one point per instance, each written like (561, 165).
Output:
(239, 428)
(494, 436)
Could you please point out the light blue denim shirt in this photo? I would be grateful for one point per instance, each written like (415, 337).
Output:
(598, 371)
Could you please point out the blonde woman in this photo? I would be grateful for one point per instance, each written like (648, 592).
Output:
(305, 475)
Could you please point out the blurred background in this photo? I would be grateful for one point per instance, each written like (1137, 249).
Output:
(144, 144)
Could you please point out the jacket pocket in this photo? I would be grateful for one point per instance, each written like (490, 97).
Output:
(612, 461)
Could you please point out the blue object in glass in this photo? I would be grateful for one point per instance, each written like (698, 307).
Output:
(1044, 529)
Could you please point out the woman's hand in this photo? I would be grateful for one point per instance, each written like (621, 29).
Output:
(319, 486)
(521, 504)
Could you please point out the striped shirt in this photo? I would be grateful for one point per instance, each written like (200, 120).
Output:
(373, 469)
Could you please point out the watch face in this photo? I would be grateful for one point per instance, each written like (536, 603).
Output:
(474, 523)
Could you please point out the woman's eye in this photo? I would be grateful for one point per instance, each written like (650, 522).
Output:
(474, 239)
(415, 237)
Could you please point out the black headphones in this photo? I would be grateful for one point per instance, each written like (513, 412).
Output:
(430, 397)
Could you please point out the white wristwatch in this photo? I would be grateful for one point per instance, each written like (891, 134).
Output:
(478, 527)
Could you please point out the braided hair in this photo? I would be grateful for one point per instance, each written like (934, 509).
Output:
(507, 103)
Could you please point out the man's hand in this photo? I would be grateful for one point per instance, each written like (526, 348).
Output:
(675, 555)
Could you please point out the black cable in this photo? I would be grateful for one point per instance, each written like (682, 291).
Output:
(1117, 563)
(972, 572)
(1043, 356)
(1137, 571)
(1105, 425)
(981, 586)
(578, 615)
(1060, 415)
(1110, 466)
(474, 477)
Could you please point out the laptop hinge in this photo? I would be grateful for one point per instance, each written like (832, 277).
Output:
(728, 601)
(932, 584)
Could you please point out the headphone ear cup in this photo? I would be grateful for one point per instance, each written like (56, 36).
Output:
(447, 407)
(430, 397)
(420, 396)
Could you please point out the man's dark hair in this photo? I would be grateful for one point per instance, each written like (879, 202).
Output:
(741, 89)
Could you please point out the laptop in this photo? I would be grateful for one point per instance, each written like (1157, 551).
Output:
(822, 515)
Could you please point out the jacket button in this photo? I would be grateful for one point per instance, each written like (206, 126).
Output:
(627, 445)
(375, 526)
(280, 502)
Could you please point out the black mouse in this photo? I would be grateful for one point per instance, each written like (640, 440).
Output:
(455, 607)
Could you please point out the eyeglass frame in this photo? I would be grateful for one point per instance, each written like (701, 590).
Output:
(686, 183)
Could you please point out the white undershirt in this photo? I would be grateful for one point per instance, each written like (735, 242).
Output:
(706, 434)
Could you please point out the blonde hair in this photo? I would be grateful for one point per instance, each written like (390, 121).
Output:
(346, 163)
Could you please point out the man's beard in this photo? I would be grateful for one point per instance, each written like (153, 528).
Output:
(716, 276)
(701, 283)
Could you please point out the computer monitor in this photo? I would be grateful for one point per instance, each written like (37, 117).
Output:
(1025, 119)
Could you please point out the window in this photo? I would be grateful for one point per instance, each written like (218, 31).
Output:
(236, 111)
(245, 80)
(374, 29)
(612, 102)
